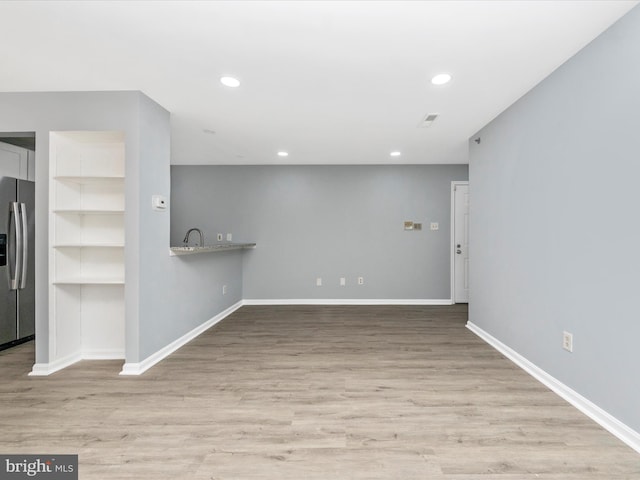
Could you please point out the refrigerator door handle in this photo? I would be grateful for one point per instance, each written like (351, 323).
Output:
(22, 274)
(14, 277)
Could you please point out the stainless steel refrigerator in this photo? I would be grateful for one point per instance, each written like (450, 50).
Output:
(17, 290)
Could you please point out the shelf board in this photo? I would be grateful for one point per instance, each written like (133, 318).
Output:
(83, 180)
(88, 211)
(90, 281)
(89, 245)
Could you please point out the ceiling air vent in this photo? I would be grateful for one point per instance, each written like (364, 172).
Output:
(428, 120)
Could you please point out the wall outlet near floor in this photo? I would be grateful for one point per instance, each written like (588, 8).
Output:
(360, 280)
(219, 237)
(567, 341)
(343, 281)
(434, 226)
(229, 237)
(319, 282)
(224, 289)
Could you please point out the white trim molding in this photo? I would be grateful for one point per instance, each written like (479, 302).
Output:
(591, 410)
(346, 301)
(44, 369)
(141, 367)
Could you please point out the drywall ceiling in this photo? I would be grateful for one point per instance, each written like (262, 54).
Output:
(327, 81)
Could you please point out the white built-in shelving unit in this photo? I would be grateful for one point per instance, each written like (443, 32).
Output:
(86, 243)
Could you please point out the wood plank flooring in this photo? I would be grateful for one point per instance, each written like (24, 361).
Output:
(305, 393)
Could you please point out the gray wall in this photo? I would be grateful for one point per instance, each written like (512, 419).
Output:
(176, 294)
(45, 112)
(165, 296)
(554, 223)
(325, 221)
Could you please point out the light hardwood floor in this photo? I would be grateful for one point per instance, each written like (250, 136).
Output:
(309, 393)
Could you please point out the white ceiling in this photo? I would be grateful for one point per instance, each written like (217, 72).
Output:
(328, 81)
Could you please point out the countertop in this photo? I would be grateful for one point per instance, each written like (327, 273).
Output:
(217, 247)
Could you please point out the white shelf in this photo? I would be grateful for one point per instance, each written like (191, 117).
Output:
(89, 281)
(89, 245)
(87, 232)
(82, 211)
(81, 180)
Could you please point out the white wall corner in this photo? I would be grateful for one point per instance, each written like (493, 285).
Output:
(591, 410)
(130, 368)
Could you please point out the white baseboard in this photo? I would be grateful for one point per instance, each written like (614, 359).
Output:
(151, 360)
(346, 301)
(103, 355)
(44, 369)
(591, 410)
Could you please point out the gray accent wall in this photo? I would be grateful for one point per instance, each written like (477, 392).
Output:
(325, 221)
(554, 223)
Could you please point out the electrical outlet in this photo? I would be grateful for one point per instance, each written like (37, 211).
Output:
(360, 280)
(343, 281)
(229, 237)
(224, 289)
(219, 237)
(435, 226)
(319, 282)
(567, 341)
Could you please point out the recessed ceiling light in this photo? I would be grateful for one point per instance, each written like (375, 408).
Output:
(282, 153)
(395, 154)
(441, 79)
(230, 82)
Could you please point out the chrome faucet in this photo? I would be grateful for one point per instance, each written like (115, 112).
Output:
(186, 237)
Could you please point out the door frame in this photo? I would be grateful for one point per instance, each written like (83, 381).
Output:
(454, 184)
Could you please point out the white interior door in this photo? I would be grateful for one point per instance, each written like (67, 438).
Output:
(461, 243)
